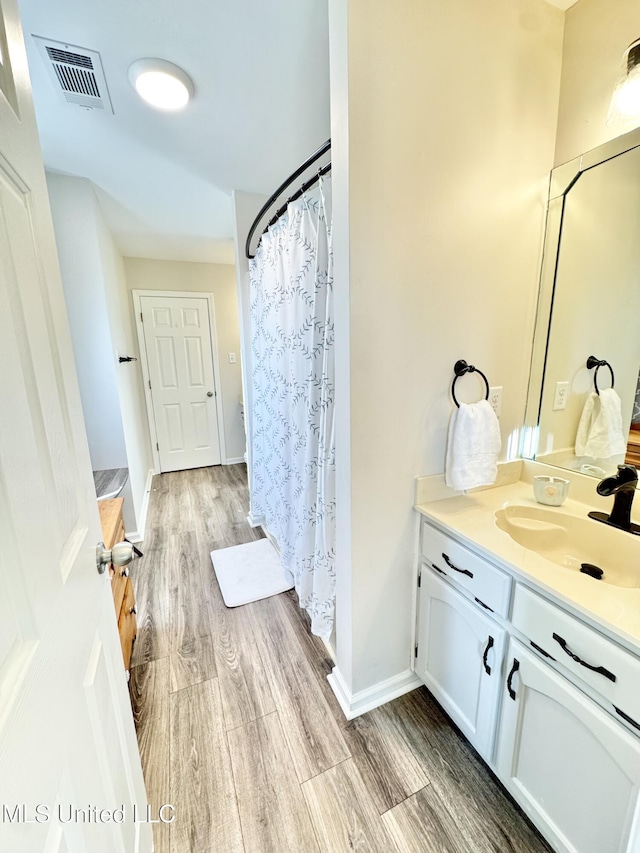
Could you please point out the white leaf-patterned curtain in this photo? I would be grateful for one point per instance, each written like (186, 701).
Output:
(293, 454)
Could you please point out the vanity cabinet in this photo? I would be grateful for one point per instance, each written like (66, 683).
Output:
(569, 764)
(541, 695)
(459, 654)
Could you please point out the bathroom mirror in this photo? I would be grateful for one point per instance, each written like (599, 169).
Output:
(589, 305)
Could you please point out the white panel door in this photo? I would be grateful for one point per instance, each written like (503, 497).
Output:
(67, 739)
(460, 652)
(178, 344)
(572, 768)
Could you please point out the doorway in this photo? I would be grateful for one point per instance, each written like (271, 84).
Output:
(179, 360)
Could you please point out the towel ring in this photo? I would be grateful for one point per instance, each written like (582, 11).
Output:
(592, 362)
(460, 368)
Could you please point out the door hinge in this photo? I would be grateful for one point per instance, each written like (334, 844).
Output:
(141, 318)
(149, 383)
(419, 580)
(157, 446)
(415, 651)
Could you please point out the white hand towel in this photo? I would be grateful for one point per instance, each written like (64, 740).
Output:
(600, 433)
(473, 445)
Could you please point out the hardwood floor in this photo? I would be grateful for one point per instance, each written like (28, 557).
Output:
(239, 730)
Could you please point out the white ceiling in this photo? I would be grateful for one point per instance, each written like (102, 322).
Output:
(261, 106)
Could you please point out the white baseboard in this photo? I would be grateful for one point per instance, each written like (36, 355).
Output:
(255, 520)
(138, 535)
(235, 461)
(355, 704)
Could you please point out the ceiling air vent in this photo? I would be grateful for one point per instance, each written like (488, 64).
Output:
(76, 73)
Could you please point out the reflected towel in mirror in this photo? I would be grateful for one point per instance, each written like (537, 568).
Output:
(473, 445)
(600, 432)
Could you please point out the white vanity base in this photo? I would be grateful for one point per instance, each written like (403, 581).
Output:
(497, 647)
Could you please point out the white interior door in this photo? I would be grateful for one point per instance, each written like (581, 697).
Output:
(67, 739)
(178, 343)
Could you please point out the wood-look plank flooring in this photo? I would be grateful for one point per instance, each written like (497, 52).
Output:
(239, 730)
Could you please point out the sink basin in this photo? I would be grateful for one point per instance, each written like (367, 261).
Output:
(570, 540)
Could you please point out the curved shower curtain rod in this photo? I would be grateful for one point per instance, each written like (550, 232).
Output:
(283, 186)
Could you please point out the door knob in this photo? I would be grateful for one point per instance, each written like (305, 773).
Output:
(119, 555)
(209, 393)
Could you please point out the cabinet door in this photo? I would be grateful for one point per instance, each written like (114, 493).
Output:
(572, 768)
(460, 652)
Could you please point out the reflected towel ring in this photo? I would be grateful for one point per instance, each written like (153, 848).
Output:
(460, 368)
(592, 362)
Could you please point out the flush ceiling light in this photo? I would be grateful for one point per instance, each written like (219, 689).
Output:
(161, 84)
(625, 102)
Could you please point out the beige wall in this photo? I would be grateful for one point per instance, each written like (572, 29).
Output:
(444, 121)
(102, 329)
(129, 375)
(220, 280)
(597, 32)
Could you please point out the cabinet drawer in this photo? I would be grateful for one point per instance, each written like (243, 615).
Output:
(612, 671)
(485, 582)
(127, 625)
(118, 587)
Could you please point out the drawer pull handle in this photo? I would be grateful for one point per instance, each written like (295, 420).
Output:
(455, 568)
(599, 669)
(540, 649)
(487, 668)
(514, 669)
(626, 717)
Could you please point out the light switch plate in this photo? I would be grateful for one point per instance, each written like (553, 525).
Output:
(560, 396)
(495, 399)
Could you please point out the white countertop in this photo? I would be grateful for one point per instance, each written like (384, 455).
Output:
(471, 518)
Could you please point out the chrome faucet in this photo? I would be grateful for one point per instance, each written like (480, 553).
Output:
(623, 486)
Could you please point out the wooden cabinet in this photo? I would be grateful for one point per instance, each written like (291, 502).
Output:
(459, 653)
(572, 768)
(633, 446)
(121, 587)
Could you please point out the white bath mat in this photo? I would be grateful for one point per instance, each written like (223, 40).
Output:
(249, 572)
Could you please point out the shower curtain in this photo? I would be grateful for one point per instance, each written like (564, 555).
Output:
(293, 455)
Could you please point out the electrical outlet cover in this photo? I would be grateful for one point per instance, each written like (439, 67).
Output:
(560, 396)
(495, 399)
